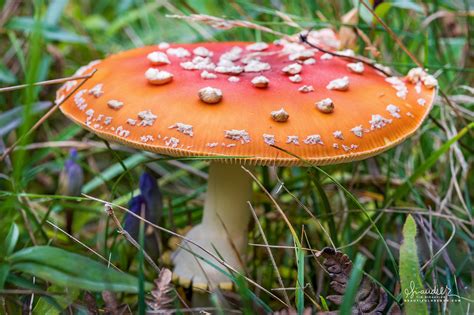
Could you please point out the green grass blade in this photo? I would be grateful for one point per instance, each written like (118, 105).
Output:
(405, 188)
(112, 172)
(410, 271)
(55, 11)
(361, 207)
(27, 284)
(244, 293)
(353, 285)
(232, 277)
(326, 206)
(29, 94)
(11, 240)
(356, 202)
(300, 284)
(6, 76)
(68, 270)
(62, 298)
(4, 271)
(131, 16)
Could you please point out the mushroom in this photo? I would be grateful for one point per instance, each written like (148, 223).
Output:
(194, 116)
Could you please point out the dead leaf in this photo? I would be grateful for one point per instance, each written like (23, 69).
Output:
(347, 34)
(161, 293)
(370, 298)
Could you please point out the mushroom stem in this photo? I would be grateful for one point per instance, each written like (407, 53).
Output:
(223, 230)
(229, 189)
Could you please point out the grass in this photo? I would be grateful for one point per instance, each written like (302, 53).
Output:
(360, 207)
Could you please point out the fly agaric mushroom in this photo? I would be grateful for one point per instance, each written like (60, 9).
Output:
(235, 121)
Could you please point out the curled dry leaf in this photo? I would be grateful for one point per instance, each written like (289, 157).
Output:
(370, 298)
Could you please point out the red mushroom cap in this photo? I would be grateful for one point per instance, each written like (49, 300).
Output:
(208, 101)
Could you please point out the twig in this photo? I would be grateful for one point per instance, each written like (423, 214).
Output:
(187, 248)
(84, 245)
(304, 39)
(8, 10)
(435, 256)
(217, 258)
(291, 288)
(269, 195)
(200, 310)
(307, 211)
(224, 24)
(272, 259)
(110, 212)
(361, 236)
(25, 292)
(30, 306)
(232, 243)
(43, 83)
(412, 57)
(8, 162)
(455, 109)
(317, 252)
(277, 206)
(392, 34)
(45, 116)
(28, 226)
(79, 145)
(288, 20)
(414, 210)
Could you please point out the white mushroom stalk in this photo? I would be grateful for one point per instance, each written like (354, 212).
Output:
(225, 220)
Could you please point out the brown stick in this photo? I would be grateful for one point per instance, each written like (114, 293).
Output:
(43, 83)
(216, 257)
(392, 34)
(84, 245)
(110, 212)
(304, 39)
(413, 58)
(270, 255)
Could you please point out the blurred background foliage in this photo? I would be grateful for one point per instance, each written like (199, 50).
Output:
(426, 176)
